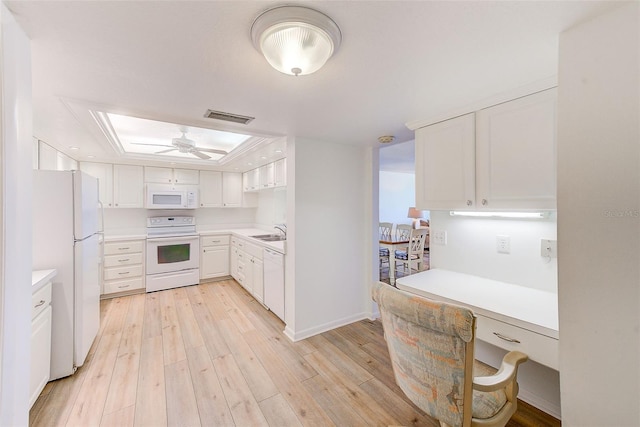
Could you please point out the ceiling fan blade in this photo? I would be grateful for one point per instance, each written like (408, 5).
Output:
(166, 151)
(213, 150)
(201, 155)
(153, 145)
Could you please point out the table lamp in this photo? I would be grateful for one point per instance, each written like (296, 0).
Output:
(415, 214)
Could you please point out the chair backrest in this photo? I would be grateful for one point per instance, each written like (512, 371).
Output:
(431, 348)
(416, 242)
(385, 228)
(403, 231)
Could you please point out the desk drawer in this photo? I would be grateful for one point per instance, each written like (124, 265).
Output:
(214, 240)
(124, 259)
(125, 247)
(124, 285)
(40, 300)
(539, 348)
(122, 272)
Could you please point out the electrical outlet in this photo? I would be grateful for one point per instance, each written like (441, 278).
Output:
(439, 238)
(503, 244)
(548, 248)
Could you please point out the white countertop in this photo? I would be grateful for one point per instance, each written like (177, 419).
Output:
(141, 234)
(39, 278)
(529, 308)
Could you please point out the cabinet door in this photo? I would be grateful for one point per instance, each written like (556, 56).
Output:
(231, 189)
(158, 175)
(234, 262)
(40, 354)
(210, 189)
(280, 173)
(128, 186)
(267, 176)
(185, 176)
(516, 153)
(104, 173)
(258, 280)
(251, 180)
(445, 164)
(214, 261)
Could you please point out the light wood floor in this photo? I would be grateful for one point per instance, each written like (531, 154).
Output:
(211, 355)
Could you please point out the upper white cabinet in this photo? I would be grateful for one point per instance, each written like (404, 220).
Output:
(251, 180)
(220, 189)
(231, 189)
(499, 158)
(104, 173)
(128, 186)
(267, 176)
(445, 164)
(280, 172)
(210, 189)
(171, 176)
(516, 153)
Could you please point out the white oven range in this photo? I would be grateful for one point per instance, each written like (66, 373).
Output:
(173, 252)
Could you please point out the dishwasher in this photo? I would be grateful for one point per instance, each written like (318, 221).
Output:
(274, 281)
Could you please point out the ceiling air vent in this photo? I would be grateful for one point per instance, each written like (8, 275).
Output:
(228, 117)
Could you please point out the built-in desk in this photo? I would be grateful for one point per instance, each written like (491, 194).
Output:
(511, 317)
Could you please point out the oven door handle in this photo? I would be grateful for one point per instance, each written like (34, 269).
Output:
(171, 239)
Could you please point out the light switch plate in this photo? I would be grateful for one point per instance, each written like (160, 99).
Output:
(439, 238)
(503, 244)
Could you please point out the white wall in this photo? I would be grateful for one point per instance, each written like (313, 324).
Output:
(16, 166)
(598, 220)
(272, 207)
(135, 220)
(471, 249)
(330, 235)
(397, 192)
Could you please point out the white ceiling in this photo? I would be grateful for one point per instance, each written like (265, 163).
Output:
(400, 61)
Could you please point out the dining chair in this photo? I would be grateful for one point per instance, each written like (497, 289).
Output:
(431, 345)
(385, 229)
(413, 257)
(403, 231)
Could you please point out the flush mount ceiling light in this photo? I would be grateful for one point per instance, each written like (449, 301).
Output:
(295, 40)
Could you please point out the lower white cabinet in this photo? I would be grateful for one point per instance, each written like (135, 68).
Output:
(40, 341)
(247, 266)
(214, 256)
(123, 268)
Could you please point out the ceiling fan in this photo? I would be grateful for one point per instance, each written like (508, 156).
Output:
(186, 145)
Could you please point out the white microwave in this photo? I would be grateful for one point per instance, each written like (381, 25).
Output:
(168, 197)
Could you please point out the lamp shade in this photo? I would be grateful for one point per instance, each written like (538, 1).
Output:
(414, 213)
(295, 40)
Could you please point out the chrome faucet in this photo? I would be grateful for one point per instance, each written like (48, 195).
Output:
(282, 228)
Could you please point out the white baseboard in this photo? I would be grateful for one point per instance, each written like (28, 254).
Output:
(315, 330)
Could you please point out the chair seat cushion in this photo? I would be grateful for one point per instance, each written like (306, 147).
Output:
(404, 256)
(486, 404)
(384, 251)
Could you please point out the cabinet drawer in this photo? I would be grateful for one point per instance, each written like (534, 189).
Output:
(40, 300)
(253, 250)
(116, 273)
(123, 285)
(123, 259)
(539, 348)
(214, 240)
(125, 247)
(234, 241)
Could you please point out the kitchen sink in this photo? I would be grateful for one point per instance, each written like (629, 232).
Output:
(270, 237)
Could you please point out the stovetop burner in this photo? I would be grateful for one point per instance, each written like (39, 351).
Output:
(171, 226)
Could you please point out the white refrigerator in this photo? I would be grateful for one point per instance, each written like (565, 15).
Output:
(66, 236)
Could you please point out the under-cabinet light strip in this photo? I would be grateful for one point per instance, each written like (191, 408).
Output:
(521, 215)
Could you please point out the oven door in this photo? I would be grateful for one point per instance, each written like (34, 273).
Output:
(169, 254)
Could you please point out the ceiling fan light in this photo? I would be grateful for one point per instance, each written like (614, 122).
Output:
(295, 40)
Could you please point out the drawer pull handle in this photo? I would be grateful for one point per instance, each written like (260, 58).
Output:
(123, 260)
(124, 272)
(124, 286)
(122, 249)
(39, 304)
(215, 241)
(502, 337)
